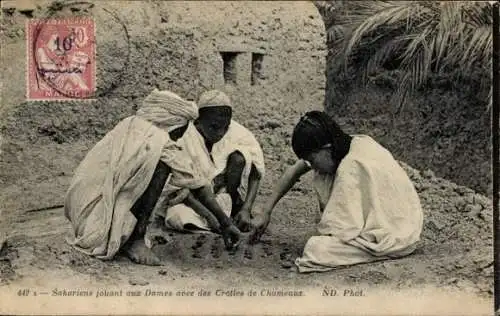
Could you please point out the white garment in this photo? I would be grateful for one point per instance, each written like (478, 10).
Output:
(194, 152)
(372, 212)
(237, 138)
(183, 218)
(167, 110)
(107, 183)
(112, 177)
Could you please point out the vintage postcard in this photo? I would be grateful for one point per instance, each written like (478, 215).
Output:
(247, 157)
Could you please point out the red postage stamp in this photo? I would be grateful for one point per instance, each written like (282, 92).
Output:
(61, 59)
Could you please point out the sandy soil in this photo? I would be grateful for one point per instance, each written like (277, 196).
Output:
(455, 253)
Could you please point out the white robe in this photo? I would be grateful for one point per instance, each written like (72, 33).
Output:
(237, 138)
(112, 177)
(371, 211)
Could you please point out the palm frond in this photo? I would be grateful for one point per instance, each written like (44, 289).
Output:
(335, 34)
(425, 36)
(391, 48)
(479, 48)
(449, 34)
(400, 95)
(382, 19)
(478, 14)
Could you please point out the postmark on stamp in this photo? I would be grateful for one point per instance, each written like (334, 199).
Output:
(60, 59)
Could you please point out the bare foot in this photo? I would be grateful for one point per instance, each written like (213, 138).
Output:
(139, 253)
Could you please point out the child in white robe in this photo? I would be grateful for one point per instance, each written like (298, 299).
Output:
(370, 208)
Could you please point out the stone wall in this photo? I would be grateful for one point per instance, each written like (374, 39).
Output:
(276, 50)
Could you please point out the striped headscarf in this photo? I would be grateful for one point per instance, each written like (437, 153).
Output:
(167, 110)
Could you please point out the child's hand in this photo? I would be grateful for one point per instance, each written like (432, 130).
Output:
(243, 220)
(232, 237)
(260, 225)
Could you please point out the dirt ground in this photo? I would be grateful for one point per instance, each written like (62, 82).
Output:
(37, 159)
(455, 252)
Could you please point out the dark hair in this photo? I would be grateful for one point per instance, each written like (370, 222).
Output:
(316, 129)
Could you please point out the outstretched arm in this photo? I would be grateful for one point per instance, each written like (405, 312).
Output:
(230, 233)
(207, 198)
(285, 183)
(201, 210)
(253, 187)
(243, 217)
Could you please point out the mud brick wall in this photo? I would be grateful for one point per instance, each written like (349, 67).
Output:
(276, 55)
(274, 50)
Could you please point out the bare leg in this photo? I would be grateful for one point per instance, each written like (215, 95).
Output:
(135, 248)
(234, 170)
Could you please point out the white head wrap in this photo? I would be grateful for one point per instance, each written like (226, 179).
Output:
(213, 98)
(167, 110)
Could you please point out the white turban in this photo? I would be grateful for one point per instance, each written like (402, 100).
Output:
(167, 110)
(213, 98)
